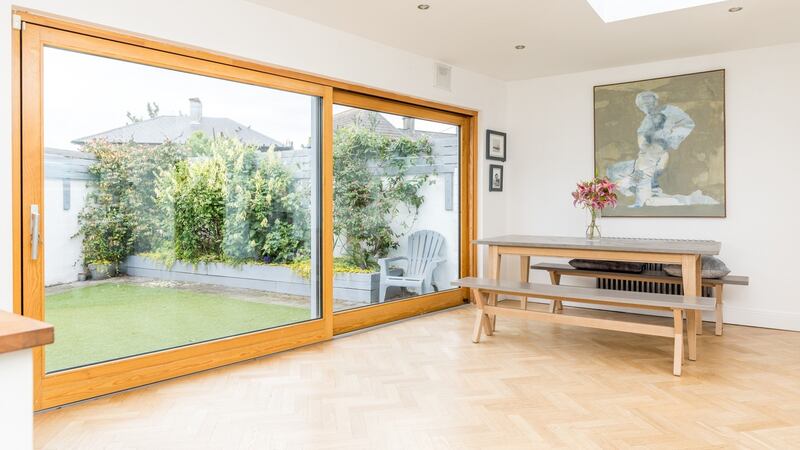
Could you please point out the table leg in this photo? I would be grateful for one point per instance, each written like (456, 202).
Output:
(678, 356)
(555, 279)
(524, 276)
(718, 310)
(494, 273)
(693, 283)
(691, 336)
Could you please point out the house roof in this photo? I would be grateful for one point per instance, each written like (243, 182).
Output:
(369, 119)
(178, 128)
(160, 129)
(380, 124)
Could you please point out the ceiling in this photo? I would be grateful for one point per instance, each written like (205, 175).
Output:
(561, 36)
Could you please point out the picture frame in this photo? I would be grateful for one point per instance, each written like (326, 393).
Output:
(495, 178)
(690, 180)
(495, 145)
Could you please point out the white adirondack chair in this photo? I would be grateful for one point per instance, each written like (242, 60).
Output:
(423, 257)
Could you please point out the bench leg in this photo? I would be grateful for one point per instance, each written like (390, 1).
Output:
(555, 279)
(524, 276)
(678, 357)
(718, 310)
(494, 273)
(481, 318)
(691, 320)
(479, 323)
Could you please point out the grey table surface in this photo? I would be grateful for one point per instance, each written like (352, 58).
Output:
(614, 244)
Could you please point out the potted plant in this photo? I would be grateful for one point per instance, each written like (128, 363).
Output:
(102, 269)
(594, 195)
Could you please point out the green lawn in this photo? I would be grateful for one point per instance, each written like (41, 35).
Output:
(113, 320)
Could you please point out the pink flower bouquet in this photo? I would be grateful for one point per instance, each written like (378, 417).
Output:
(595, 195)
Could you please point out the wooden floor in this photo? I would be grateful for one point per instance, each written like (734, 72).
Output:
(423, 384)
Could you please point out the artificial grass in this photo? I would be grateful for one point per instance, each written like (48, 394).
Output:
(114, 320)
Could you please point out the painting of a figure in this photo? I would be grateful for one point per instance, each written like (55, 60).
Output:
(662, 142)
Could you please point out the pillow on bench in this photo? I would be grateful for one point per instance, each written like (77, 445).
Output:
(712, 268)
(607, 266)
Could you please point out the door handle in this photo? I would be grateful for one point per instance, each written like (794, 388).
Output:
(35, 232)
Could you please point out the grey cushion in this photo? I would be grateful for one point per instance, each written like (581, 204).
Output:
(607, 266)
(712, 268)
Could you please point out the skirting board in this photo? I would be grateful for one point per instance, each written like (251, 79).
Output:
(733, 315)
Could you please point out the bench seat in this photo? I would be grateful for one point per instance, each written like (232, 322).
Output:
(648, 276)
(656, 276)
(677, 304)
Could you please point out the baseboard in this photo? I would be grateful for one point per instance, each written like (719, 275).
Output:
(781, 320)
(734, 315)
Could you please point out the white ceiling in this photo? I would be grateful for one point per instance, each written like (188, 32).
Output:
(562, 36)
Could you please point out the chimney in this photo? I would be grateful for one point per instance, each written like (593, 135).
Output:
(195, 110)
(408, 124)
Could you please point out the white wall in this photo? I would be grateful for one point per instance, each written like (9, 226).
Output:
(63, 257)
(551, 132)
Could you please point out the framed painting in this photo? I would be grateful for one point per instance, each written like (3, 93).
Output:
(495, 145)
(662, 141)
(495, 178)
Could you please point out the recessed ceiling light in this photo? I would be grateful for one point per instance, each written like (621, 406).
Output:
(423, 6)
(735, 9)
(519, 47)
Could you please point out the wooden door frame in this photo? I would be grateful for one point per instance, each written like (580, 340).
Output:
(70, 386)
(376, 314)
(98, 379)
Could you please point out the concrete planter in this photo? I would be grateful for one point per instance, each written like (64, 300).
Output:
(355, 287)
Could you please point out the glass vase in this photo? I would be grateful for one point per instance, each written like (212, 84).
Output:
(593, 224)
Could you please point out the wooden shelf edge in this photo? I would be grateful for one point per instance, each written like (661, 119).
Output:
(20, 333)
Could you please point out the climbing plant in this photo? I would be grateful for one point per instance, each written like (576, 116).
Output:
(376, 197)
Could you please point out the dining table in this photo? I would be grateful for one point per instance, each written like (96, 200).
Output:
(684, 252)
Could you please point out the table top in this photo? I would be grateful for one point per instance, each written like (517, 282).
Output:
(673, 246)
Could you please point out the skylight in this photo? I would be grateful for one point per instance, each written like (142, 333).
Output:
(615, 10)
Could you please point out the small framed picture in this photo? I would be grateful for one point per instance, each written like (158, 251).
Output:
(495, 178)
(495, 145)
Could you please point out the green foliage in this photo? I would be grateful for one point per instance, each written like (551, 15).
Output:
(278, 213)
(120, 215)
(372, 187)
(212, 199)
(217, 199)
(199, 209)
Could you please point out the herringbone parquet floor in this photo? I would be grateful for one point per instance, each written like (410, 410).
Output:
(422, 384)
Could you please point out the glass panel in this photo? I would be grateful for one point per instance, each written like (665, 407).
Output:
(396, 207)
(178, 208)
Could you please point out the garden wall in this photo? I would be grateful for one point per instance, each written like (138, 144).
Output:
(354, 287)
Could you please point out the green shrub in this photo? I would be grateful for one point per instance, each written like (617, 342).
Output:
(278, 213)
(199, 209)
(120, 215)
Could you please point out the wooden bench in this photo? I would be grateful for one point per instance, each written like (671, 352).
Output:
(716, 284)
(677, 304)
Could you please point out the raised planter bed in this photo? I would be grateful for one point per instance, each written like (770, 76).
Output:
(355, 287)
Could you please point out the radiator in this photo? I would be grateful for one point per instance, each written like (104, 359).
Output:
(647, 286)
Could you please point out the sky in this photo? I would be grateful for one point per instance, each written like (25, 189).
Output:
(87, 94)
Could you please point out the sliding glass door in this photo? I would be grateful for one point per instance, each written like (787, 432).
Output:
(177, 210)
(398, 210)
(171, 204)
